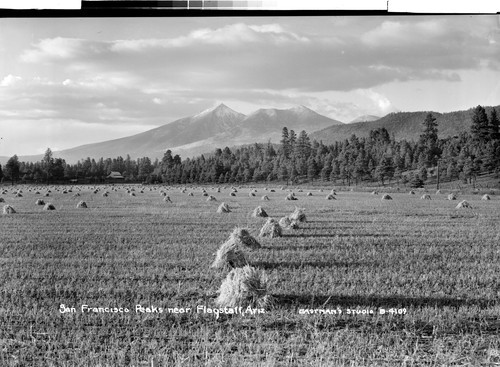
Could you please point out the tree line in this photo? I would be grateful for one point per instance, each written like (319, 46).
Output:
(357, 160)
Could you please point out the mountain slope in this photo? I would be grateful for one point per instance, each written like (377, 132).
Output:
(300, 117)
(201, 133)
(153, 143)
(404, 125)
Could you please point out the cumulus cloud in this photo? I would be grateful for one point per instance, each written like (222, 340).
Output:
(9, 80)
(273, 57)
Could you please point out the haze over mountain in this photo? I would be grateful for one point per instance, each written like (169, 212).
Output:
(365, 118)
(404, 125)
(202, 133)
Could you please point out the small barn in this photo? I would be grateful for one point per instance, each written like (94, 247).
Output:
(115, 177)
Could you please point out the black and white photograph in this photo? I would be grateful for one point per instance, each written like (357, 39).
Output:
(265, 190)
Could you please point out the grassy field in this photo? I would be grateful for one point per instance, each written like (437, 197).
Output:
(433, 269)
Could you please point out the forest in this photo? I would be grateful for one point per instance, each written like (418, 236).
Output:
(378, 158)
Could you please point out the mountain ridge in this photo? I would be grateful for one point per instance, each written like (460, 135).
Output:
(221, 126)
(199, 133)
(403, 125)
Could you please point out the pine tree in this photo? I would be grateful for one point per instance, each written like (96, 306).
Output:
(285, 143)
(480, 128)
(12, 169)
(311, 169)
(303, 146)
(494, 125)
(428, 142)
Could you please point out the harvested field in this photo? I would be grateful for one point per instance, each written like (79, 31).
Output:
(417, 281)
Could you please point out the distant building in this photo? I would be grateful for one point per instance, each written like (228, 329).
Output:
(115, 177)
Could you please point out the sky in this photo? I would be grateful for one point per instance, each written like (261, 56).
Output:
(65, 82)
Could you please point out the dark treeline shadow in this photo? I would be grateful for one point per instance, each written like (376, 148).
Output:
(302, 264)
(304, 235)
(293, 247)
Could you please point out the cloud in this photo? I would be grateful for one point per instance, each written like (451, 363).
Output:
(9, 80)
(381, 103)
(275, 56)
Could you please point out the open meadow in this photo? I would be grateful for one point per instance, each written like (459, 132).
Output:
(363, 281)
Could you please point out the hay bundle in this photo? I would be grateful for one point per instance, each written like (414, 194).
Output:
(309, 194)
(386, 197)
(463, 204)
(81, 205)
(76, 195)
(190, 194)
(218, 189)
(18, 195)
(251, 194)
(438, 192)
(259, 212)
(223, 208)
(287, 223)
(40, 202)
(241, 236)
(271, 229)
(229, 256)
(374, 192)
(330, 197)
(425, 197)
(37, 192)
(298, 215)
(232, 194)
(452, 197)
(167, 198)
(132, 194)
(65, 192)
(265, 197)
(211, 198)
(205, 193)
(272, 190)
(2, 200)
(485, 197)
(411, 192)
(290, 197)
(49, 206)
(244, 287)
(46, 194)
(105, 194)
(95, 191)
(7, 209)
(333, 192)
(163, 193)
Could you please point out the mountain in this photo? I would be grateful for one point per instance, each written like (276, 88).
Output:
(300, 117)
(404, 125)
(365, 118)
(202, 133)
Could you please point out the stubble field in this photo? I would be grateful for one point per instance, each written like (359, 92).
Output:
(432, 268)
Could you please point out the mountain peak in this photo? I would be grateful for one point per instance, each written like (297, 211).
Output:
(219, 111)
